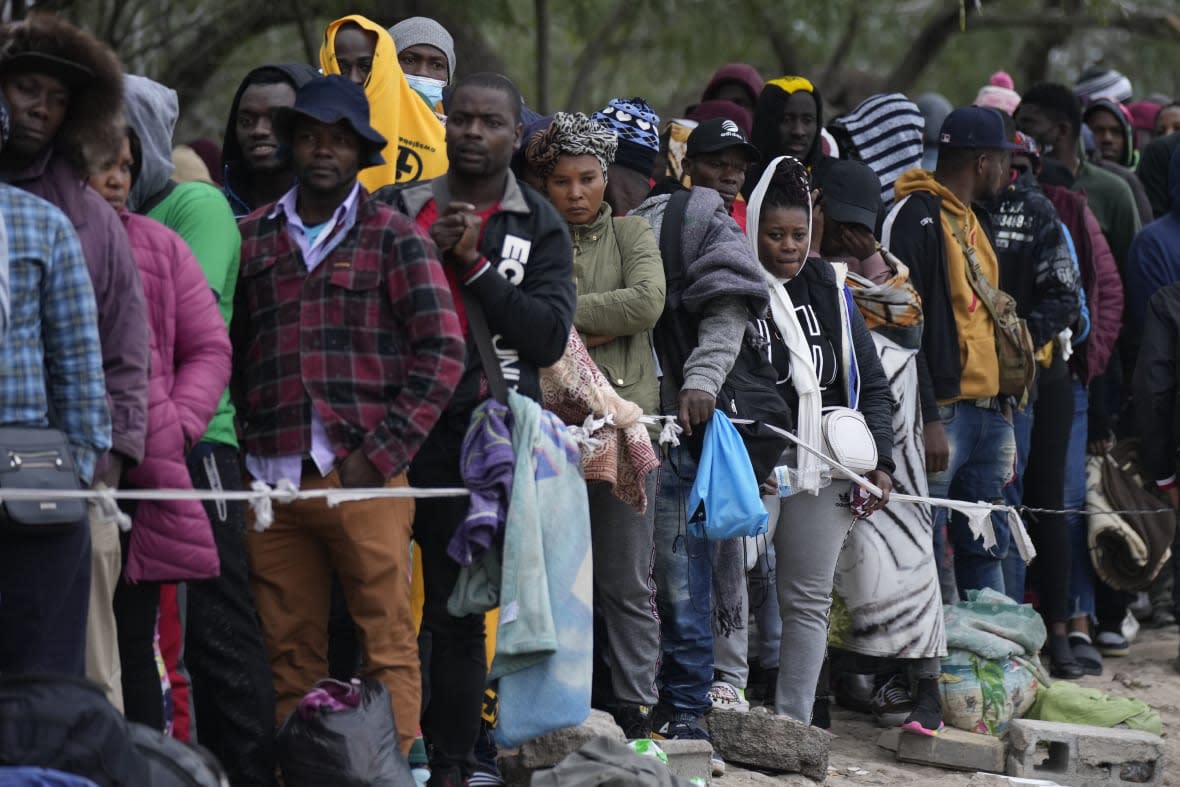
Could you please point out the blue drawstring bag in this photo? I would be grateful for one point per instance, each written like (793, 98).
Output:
(724, 501)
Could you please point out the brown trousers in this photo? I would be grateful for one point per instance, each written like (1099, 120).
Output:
(368, 544)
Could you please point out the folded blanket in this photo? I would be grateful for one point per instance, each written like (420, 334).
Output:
(620, 452)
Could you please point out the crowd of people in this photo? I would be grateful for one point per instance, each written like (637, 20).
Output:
(313, 304)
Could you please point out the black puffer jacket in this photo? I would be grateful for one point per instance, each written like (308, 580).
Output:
(1035, 265)
(875, 399)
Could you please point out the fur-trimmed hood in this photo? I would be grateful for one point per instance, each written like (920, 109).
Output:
(93, 121)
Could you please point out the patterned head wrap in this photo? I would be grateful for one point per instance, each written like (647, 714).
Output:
(571, 134)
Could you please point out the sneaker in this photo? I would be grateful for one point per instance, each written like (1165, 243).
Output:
(1112, 643)
(1085, 653)
(892, 703)
(926, 718)
(726, 696)
(677, 725)
(635, 721)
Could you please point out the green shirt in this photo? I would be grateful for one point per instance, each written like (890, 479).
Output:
(199, 213)
(1113, 204)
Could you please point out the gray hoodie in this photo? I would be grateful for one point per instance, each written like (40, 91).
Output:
(724, 285)
(152, 110)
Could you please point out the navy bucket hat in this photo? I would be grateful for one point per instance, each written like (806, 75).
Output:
(333, 99)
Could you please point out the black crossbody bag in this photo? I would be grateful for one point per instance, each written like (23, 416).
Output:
(38, 458)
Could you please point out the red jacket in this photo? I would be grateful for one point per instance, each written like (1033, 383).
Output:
(190, 366)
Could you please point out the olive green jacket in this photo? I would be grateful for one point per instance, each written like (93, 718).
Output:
(620, 278)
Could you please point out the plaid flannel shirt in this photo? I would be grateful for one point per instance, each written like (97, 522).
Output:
(51, 360)
(370, 338)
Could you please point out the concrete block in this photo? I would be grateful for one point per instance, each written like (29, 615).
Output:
(517, 766)
(956, 749)
(1084, 756)
(890, 739)
(689, 759)
(769, 742)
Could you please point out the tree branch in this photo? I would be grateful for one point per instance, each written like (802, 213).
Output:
(600, 42)
(1147, 22)
(930, 41)
(779, 41)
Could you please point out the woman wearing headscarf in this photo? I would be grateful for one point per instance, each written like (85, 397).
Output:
(788, 118)
(824, 355)
(363, 51)
(620, 278)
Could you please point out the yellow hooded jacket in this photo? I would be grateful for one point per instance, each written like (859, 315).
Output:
(416, 149)
(980, 368)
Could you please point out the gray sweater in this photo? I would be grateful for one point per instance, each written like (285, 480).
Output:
(723, 285)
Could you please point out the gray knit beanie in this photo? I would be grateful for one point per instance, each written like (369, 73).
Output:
(422, 30)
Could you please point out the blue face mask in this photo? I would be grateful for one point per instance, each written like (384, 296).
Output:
(431, 90)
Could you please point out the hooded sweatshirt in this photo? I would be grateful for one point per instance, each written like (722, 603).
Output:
(738, 73)
(1154, 260)
(767, 133)
(958, 356)
(196, 211)
(885, 132)
(1130, 155)
(396, 111)
(237, 176)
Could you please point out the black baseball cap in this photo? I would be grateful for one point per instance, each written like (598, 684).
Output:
(975, 127)
(717, 134)
(852, 193)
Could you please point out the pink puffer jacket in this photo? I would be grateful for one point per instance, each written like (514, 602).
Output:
(172, 540)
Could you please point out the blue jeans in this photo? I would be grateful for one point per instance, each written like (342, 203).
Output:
(1014, 565)
(1081, 573)
(684, 581)
(982, 450)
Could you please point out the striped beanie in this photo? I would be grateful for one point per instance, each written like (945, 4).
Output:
(638, 128)
(886, 134)
(1098, 82)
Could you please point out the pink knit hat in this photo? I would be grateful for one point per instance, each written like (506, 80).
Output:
(998, 94)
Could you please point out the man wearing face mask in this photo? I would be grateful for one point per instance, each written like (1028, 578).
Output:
(426, 53)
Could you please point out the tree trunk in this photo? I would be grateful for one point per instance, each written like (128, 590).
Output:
(543, 87)
(930, 41)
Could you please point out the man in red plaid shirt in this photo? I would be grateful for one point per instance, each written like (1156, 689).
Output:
(347, 349)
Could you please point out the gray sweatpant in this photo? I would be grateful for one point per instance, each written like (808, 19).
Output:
(811, 530)
(623, 541)
(731, 629)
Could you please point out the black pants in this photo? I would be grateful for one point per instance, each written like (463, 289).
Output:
(457, 666)
(232, 687)
(137, 608)
(44, 601)
(1044, 487)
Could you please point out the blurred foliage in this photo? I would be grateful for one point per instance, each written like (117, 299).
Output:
(664, 50)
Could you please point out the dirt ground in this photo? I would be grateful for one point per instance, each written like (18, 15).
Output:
(1147, 674)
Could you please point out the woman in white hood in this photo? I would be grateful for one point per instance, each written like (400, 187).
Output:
(824, 355)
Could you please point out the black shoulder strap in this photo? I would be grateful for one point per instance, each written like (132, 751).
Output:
(478, 323)
(671, 229)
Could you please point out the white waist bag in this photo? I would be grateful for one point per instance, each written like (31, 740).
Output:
(847, 439)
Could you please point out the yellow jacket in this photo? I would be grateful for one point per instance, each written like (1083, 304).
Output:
(416, 149)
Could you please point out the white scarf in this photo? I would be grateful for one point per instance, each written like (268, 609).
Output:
(803, 376)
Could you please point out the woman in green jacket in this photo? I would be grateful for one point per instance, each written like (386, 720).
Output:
(620, 278)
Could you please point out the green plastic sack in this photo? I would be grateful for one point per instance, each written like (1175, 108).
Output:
(1068, 702)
